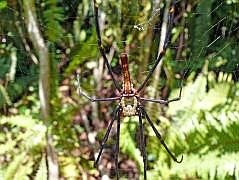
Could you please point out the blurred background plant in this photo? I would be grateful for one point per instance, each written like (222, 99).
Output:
(203, 125)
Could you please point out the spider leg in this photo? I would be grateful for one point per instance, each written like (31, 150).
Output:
(101, 47)
(161, 101)
(160, 137)
(142, 143)
(107, 135)
(117, 145)
(92, 99)
(162, 52)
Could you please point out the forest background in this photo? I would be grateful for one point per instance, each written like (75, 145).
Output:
(48, 131)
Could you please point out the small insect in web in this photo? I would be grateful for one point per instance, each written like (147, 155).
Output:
(132, 95)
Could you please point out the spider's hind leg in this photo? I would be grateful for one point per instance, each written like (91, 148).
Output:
(142, 143)
(117, 144)
(160, 137)
(116, 113)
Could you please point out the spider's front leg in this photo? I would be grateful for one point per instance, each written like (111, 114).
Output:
(101, 47)
(92, 99)
(161, 101)
(165, 45)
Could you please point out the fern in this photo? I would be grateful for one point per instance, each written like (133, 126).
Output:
(23, 141)
(81, 53)
(4, 96)
(53, 16)
(208, 123)
(13, 166)
(211, 166)
(42, 171)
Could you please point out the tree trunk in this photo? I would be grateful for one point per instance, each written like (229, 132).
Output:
(44, 81)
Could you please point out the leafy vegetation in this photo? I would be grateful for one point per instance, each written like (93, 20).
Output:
(22, 145)
(208, 122)
(203, 54)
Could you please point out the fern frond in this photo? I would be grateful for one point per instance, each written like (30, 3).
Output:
(208, 135)
(82, 53)
(42, 170)
(53, 16)
(26, 122)
(13, 166)
(4, 97)
(211, 166)
(24, 139)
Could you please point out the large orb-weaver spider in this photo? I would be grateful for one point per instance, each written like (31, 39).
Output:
(130, 94)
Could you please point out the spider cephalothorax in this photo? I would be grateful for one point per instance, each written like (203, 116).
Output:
(130, 99)
(129, 106)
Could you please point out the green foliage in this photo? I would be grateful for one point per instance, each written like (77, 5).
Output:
(5, 61)
(203, 125)
(3, 4)
(5, 100)
(225, 48)
(200, 35)
(128, 141)
(53, 16)
(82, 53)
(42, 171)
(12, 169)
(22, 142)
(204, 129)
(17, 71)
(208, 123)
(69, 167)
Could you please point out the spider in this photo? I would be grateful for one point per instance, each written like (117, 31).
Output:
(130, 99)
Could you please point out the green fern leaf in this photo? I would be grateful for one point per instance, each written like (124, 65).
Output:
(13, 166)
(53, 16)
(208, 135)
(4, 97)
(42, 170)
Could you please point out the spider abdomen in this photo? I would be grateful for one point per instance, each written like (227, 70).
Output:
(127, 85)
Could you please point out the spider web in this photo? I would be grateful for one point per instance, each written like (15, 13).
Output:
(140, 35)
